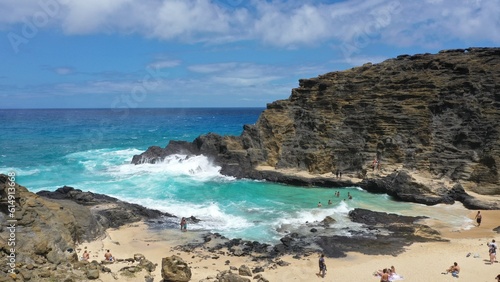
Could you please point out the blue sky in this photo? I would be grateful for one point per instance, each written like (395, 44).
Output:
(212, 53)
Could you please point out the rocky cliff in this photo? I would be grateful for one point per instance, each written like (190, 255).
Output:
(434, 115)
(40, 237)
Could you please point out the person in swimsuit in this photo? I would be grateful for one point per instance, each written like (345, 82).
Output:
(492, 250)
(385, 276)
(478, 218)
(86, 255)
(322, 266)
(183, 224)
(108, 256)
(454, 269)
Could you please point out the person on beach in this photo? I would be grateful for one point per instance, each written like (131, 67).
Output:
(454, 270)
(492, 250)
(384, 277)
(498, 277)
(183, 224)
(322, 266)
(86, 255)
(329, 202)
(478, 218)
(108, 256)
(319, 205)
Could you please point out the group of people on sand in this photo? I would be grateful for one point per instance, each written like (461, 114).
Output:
(492, 252)
(388, 274)
(492, 247)
(107, 256)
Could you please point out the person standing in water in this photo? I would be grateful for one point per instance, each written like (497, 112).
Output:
(183, 224)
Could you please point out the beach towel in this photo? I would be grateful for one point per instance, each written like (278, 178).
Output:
(395, 277)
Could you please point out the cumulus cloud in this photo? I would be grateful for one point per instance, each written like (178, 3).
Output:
(280, 23)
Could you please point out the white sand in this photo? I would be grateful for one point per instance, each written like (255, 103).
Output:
(420, 262)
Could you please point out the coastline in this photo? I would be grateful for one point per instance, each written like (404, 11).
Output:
(419, 261)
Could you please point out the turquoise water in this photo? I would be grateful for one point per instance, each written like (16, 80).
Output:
(92, 149)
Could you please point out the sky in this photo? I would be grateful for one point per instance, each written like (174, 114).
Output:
(213, 53)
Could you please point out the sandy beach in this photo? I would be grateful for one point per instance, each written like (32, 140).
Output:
(419, 262)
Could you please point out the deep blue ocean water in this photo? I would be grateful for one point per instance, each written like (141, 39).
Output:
(91, 150)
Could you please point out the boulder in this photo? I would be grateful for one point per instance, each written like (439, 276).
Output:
(228, 276)
(245, 271)
(175, 269)
(93, 274)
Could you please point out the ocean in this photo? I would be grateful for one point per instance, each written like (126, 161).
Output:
(91, 150)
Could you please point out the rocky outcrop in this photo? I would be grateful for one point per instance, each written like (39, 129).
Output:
(44, 231)
(175, 269)
(436, 115)
(108, 211)
(382, 234)
(388, 234)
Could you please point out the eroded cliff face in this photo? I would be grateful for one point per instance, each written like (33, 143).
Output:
(437, 114)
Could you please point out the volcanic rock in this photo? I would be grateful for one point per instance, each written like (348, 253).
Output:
(433, 115)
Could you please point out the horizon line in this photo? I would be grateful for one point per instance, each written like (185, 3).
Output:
(137, 108)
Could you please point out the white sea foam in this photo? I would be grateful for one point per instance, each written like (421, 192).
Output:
(211, 215)
(198, 168)
(20, 171)
(100, 155)
(315, 215)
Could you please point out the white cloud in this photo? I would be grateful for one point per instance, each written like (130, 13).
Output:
(161, 64)
(279, 23)
(211, 68)
(239, 74)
